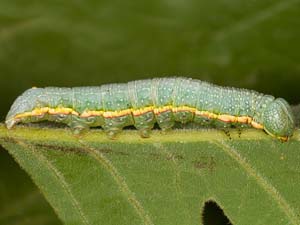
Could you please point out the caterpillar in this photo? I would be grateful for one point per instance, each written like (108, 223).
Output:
(142, 103)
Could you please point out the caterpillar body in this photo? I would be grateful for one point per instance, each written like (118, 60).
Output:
(143, 103)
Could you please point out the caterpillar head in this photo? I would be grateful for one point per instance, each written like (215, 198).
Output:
(278, 119)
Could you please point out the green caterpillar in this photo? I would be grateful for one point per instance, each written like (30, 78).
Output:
(143, 103)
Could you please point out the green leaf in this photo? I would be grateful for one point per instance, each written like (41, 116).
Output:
(165, 179)
(21, 201)
(252, 44)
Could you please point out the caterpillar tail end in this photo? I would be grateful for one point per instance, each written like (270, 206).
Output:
(10, 123)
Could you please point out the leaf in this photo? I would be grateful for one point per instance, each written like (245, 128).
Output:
(21, 201)
(76, 43)
(165, 179)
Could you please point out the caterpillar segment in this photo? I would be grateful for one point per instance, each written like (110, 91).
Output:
(143, 103)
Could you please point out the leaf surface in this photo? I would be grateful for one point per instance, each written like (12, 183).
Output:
(252, 44)
(21, 201)
(165, 179)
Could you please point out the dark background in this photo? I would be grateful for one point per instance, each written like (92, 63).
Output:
(251, 44)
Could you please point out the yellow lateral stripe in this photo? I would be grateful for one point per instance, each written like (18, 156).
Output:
(90, 113)
(137, 112)
(183, 108)
(257, 125)
(44, 110)
(113, 114)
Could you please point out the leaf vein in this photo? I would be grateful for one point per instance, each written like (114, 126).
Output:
(107, 164)
(60, 178)
(268, 187)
